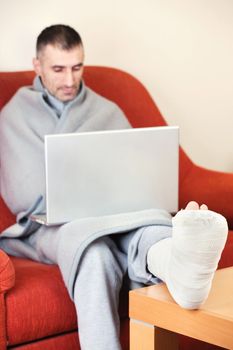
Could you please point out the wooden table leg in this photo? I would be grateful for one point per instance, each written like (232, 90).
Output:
(141, 336)
(165, 340)
(144, 336)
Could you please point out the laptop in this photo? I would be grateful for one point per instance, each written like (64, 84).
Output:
(110, 172)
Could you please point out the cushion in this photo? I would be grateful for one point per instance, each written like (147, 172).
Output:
(39, 306)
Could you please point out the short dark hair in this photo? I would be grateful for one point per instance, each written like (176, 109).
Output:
(58, 35)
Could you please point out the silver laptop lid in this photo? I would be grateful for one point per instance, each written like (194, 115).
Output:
(110, 172)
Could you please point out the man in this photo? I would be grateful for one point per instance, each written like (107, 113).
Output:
(97, 251)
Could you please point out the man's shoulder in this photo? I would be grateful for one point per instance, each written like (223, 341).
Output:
(106, 113)
(100, 100)
(21, 93)
(22, 97)
(18, 107)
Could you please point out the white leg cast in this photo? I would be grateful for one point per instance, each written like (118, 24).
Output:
(187, 261)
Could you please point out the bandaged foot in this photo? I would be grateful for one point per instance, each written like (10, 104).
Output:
(186, 262)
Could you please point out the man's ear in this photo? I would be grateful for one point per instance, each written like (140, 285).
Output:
(36, 65)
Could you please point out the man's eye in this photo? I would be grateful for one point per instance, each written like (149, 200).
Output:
(76, 68)
(57, 69)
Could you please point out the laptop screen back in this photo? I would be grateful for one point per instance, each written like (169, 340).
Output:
(110, 172)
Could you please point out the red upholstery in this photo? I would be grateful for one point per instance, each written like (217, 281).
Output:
(42, 293)
(7, 279)
(37, 312)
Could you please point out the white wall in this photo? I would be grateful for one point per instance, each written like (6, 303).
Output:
(182, 50)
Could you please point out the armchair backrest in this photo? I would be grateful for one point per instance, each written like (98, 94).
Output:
(114, 84)
(111, 83)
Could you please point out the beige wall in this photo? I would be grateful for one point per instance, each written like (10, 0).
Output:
(182, 50)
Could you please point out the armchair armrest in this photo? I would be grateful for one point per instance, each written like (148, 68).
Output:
(7, 280)
(213, 188)
(7, 272)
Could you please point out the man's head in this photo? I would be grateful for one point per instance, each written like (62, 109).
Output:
(59, 61)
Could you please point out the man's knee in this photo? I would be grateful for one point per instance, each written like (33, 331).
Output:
(102, 250)
(104, 255)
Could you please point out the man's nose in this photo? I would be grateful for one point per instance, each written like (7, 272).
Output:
(69, 78)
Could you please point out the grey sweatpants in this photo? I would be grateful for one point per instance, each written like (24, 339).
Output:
(104, 265)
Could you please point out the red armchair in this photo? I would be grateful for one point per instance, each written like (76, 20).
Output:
(35, 309)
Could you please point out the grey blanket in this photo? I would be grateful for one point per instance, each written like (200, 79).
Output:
(23, 123)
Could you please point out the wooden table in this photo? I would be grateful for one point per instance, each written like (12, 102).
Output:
(156, 320)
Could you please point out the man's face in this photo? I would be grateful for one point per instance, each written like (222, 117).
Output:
(60, 70)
